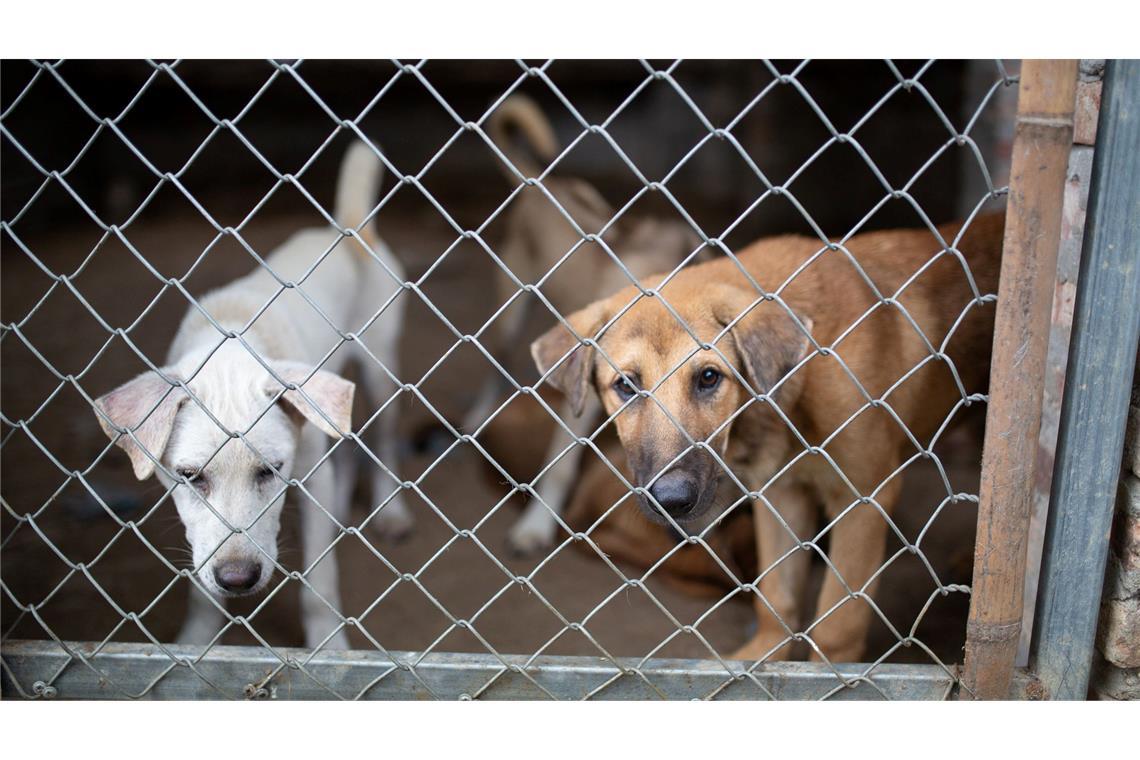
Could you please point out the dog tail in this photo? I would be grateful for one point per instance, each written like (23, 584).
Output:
(519, 115)
(361, 171)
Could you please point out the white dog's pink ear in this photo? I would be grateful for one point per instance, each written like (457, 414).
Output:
(332, 393)
(147, 407)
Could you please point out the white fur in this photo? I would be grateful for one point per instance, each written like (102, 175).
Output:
(242, 521)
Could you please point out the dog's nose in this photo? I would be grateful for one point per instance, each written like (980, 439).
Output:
(676, 492)
(237, 576)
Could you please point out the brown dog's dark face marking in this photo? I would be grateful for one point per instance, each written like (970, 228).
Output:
(695, 391)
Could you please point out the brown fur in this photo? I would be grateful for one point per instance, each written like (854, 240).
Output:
(523, 419)
(759, 345)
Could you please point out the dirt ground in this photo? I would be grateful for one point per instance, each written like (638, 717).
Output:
(60, 434)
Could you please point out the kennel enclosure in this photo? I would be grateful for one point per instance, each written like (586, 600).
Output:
(1092, 419)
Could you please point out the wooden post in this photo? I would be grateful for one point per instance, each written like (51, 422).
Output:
(1042, 141)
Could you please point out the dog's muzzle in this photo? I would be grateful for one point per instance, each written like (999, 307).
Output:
(237, 577)
(677, 493)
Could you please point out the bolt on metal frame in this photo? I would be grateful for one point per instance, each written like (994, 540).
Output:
(107, 668)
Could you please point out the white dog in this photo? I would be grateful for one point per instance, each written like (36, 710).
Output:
(229, 448)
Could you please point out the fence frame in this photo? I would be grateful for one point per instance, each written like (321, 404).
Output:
(237, 672)
(1085, 485)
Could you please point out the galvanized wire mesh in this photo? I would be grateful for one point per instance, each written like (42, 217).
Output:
(610, 672)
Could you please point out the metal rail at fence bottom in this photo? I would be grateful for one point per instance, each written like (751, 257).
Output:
(45, 669)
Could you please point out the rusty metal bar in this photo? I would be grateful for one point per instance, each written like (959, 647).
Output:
(1042, 141)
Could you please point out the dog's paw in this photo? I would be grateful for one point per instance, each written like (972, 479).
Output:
(533, 532)
(394, 522)
(771, 648)
(316, 631)
(338, 641)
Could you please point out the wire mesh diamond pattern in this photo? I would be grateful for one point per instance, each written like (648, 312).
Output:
(610, 671)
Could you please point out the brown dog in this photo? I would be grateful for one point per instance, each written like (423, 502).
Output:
(545, 244)
(620, 530)
(813, 400)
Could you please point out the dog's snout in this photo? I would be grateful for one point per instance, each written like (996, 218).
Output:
(237, 576)
(676, 492)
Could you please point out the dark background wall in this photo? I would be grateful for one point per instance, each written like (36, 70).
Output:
(656, 130)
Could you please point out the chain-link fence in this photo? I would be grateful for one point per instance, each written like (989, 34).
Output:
(794, 470)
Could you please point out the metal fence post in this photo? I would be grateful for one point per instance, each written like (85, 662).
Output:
(1106, 326)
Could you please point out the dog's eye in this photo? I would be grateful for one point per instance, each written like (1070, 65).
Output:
(195, 477)
(624, 389)
(708, 379)
(265, 473)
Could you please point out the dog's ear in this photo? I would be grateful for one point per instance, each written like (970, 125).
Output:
(330, 393)
(572, 376)
(769, 341)
(147, 407)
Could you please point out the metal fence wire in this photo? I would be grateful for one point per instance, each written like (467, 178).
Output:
(323, 668)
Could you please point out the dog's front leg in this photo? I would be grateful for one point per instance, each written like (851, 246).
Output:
(857, 543)
(535, 530)
(321, 605)
(780, 524)
(394, 521)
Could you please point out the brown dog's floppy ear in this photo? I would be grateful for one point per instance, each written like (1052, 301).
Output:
(146, 406)
(769, 341)
(332, 393)
(572, 376)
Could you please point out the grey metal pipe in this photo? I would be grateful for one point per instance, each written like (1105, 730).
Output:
(1102, 357)
(74, 670)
